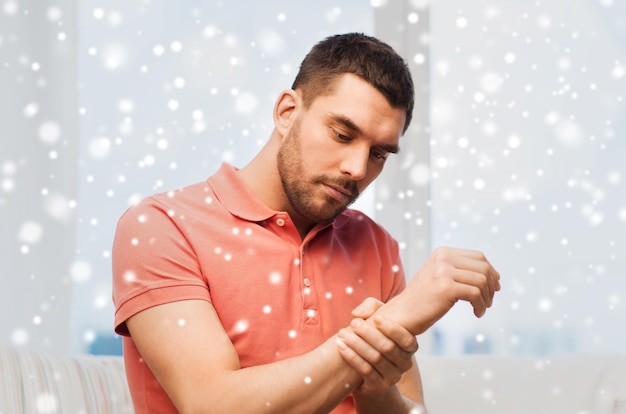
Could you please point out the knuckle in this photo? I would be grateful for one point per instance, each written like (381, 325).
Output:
(371, 302)
(441, 253)
(409, 345)
(444, 284)
(442, 272)
(406, 342)
(367, 370)
(387, 347)
(376, 358)
(476, 294)
(406, 365)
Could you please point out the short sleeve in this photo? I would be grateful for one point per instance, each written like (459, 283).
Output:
(153, 262)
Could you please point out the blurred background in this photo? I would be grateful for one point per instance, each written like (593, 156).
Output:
(517, 148)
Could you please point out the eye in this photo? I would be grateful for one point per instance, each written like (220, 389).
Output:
(342, 137)
(379, 156)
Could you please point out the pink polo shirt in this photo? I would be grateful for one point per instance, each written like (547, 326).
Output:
(276, 295)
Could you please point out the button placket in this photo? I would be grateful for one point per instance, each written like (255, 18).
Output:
(309, 294)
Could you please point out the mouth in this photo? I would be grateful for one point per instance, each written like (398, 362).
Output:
(340, 194)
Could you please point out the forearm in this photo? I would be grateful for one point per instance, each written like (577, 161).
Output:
(449, 275)
(403, 310)
(312, 383)
(198, 367)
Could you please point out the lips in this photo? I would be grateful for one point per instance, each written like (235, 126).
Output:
(338, 193)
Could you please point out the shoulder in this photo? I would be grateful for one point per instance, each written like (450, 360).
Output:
(174, 203)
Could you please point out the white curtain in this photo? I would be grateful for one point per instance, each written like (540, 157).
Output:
(38, 164)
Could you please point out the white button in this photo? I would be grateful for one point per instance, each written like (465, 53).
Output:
(280, 221)
(307, 282)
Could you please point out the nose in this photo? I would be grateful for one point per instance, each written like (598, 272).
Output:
(354, 163)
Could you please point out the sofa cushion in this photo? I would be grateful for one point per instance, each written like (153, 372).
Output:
(39, 383)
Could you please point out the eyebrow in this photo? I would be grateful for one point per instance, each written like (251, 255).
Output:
(348, 123)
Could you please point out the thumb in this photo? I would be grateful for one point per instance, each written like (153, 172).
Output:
(367, 308)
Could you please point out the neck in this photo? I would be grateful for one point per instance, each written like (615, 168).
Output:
(262, 177)
(261, 174)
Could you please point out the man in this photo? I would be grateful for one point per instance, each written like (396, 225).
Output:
(258, 291)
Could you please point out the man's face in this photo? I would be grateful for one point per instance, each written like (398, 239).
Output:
(336, 148)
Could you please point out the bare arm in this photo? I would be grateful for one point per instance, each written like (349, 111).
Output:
(449, 275)
(170, 336)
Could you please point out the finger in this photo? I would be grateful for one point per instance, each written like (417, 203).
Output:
(463, 257)
(367, 308)
(381, 351)
(365, 344)
(498, 286)
(358, 354)
(454, 252)
(470, 293)
(482, 274)
(361, 366)
(494, 276)
(491, 283)
(397, 333)
(474, 284)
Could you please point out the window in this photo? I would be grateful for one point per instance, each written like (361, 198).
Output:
(516, 148)
(168, 91)
(528, 164)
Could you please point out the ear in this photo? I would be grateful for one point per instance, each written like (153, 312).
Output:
(287, 105)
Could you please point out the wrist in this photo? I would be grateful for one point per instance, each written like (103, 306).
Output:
(400, 310)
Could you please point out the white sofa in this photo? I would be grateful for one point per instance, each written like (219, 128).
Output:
(35, 383)
(577, 384)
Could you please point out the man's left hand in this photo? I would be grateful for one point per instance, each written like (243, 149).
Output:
(379, 349)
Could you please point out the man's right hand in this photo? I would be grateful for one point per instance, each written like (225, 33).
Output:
(449, 275)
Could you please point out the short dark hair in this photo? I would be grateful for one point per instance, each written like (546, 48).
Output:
(365, 56)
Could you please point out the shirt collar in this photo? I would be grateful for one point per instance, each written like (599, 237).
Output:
(236, 197)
